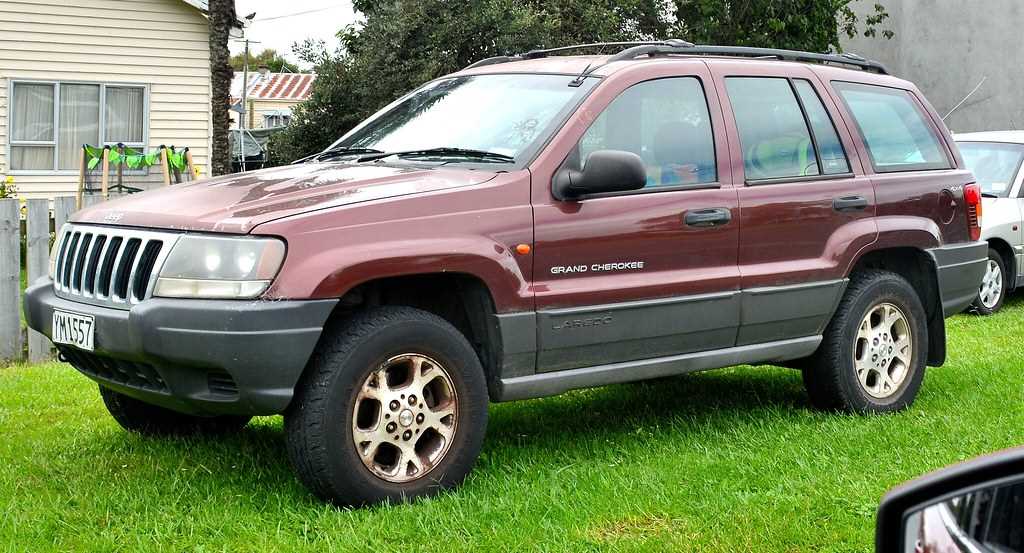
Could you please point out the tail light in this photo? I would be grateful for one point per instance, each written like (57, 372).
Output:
(972, 196)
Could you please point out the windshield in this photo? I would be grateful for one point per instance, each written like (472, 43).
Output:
(505, 114)
(994, 164)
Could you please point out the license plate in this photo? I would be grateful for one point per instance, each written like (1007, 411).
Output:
(73, 329)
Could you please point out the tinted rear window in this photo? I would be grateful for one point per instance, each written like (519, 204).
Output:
(894, 128)
(773, 133)
(833, 157)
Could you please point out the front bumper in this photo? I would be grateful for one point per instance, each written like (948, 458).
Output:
(206, 357)
(960, 268)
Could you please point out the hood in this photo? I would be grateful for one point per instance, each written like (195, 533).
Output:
(237, 203)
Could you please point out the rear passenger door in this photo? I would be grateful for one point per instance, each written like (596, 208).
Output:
(806, 206)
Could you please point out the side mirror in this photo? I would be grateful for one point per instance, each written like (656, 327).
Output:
(976, 506)
(605, 171)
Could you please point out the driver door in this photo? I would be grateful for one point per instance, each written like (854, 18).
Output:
(625, 276)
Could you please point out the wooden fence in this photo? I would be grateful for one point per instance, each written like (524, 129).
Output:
(27, 238)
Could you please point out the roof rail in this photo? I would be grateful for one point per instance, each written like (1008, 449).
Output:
(492, 61)
(533, 54)
(739, 51)
(790, 55)
(543, 53)
(681, 47)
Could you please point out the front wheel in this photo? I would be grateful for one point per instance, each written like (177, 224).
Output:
(393, 406)
(872, 356)
(993, 286)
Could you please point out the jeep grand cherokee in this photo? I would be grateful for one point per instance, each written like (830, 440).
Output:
(526, 226)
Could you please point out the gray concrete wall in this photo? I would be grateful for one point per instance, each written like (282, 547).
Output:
(946, 47)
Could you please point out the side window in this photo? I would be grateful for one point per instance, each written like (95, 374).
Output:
(894, 129)
(664, 121)
(773, 133)
(830, 149)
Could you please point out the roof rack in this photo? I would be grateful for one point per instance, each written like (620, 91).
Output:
(673, 42)
(543, 53)
(676, 46)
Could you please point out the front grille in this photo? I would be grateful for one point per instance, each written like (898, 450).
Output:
(112, 267)
(128, 373)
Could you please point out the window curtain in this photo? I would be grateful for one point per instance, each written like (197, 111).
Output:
(125, 115)
(32, 120)
(79, 121)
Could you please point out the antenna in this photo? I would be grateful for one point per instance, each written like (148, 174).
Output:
(969, 94)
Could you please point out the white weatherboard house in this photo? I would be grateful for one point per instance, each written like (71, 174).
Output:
(99, 72)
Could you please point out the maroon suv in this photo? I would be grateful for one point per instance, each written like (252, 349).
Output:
(527, 226)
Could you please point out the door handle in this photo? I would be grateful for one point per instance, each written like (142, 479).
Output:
(850, 203)
(711, 217)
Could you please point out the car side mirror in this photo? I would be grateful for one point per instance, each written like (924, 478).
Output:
(974, 506)
(605, 171)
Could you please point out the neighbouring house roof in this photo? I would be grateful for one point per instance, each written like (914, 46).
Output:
(204, 7)
(201, 5)
(285, 87)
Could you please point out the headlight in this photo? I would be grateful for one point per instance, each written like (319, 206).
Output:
(219, 268)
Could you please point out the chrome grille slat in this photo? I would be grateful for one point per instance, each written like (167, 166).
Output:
(122, 269)
(109, 262)
(99, 245)
(112, 287)
(65, 276)
(143, 274)
(101, 265)
(65, 238)
(135, 269)
(76, 271)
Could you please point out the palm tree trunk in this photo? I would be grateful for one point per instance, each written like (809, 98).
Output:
(222, 19)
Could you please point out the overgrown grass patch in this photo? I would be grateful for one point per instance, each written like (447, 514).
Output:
(729, 460)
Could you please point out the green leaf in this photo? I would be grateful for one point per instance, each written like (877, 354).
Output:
(176, 160)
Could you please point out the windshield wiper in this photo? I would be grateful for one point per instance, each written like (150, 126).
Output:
(337, 151)
(443, 151)
(989, 195)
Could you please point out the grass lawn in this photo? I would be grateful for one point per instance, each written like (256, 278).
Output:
(721, 461)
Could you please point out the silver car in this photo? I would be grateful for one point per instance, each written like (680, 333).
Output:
(995, 158)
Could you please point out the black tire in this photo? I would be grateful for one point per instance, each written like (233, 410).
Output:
(832, 379)
(978, 307)
(319, 422)
(144, 418)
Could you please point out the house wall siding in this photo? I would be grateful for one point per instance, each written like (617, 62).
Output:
(162, 44)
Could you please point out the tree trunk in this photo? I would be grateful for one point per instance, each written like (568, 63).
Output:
(222, 18)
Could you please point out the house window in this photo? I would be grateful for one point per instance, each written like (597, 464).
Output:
(51, 121)
(276, 120)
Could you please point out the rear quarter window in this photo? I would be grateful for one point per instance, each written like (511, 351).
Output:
(895, 131)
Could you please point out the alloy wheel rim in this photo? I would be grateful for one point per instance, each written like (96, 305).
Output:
(991, 285)
(883, 351)
(405, 417)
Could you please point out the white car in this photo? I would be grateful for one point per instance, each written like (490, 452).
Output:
(995, 158)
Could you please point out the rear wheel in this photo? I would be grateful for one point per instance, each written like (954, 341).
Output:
(393, 406)
(144, 418)
(872, 356)
(993, 287)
